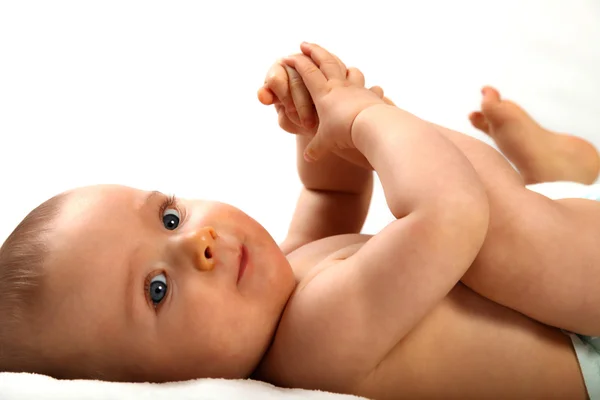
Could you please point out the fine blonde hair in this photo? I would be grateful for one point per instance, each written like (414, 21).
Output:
(22, 259)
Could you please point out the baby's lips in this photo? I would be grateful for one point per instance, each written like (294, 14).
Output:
(241, 262)
(227, 250)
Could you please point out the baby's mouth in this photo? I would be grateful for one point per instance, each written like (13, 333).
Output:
(243, 262)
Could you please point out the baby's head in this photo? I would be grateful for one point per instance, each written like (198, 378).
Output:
(115, 283)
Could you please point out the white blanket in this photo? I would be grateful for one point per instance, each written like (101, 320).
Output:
(40, 387)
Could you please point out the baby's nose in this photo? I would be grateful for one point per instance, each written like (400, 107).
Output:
(201, 246)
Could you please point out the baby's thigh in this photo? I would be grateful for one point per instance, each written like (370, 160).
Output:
(495, 172)
(542, 258)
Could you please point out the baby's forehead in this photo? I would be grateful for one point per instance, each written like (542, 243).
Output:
(95, 232)
(95, 219)
(98, 202)
(105, 195)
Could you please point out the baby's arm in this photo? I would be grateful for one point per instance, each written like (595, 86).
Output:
(336, 193)
(540, 256)
(334, 200)
(356, 310)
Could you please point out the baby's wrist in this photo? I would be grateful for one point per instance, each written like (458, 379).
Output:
(364, 130)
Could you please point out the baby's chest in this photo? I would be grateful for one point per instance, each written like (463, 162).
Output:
(310, 259)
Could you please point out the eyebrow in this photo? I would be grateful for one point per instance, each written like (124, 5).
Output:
(150, 197)
(129, 291)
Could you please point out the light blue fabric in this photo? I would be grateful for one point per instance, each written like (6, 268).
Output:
(587, 349)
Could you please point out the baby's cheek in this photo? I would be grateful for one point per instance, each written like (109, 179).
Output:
(187, 332)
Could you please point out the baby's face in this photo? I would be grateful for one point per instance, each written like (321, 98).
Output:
(141, 287)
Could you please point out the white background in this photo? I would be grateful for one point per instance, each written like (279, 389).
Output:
(162, 95)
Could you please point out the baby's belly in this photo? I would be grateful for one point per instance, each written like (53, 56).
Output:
(469, 347)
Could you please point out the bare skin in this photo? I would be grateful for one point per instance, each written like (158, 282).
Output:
(383, 316)
(530, 276)
(144, 287)
(467, 347)
(510, 268)
(540, 155)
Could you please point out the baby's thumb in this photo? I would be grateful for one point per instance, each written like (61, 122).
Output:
(316, 148)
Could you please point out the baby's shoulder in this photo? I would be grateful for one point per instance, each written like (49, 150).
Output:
(309, 260)
(302, 353)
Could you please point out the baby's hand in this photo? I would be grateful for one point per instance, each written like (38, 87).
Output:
(339, 96)
(296, 111)
(285, 90)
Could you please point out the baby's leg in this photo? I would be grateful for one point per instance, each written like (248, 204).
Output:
(539, 154)
(541, 257)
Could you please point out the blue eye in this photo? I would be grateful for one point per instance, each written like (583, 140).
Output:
(171, 219)
(158, 288)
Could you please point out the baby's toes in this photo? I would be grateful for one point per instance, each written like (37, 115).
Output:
(491, 96)
(497, 111)
(479, 121)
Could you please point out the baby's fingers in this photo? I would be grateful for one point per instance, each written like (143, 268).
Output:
(317, 148)
(284, 120)
(313, 78)
(265, 96)
(277, 83)
(331, 66)
(302, 100)
(355, 77)
(378, 91)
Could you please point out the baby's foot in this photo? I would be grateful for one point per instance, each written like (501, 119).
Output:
(539, 154)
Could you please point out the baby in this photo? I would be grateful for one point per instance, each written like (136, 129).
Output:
(119, 284)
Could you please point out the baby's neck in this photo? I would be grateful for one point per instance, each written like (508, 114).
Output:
(262, 370)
